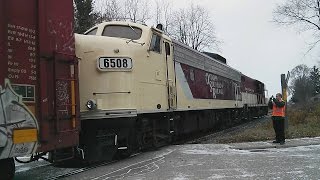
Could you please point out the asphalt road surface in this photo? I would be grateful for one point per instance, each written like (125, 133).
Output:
(298, 159)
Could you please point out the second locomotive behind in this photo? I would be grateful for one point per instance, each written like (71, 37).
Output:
(140, 89)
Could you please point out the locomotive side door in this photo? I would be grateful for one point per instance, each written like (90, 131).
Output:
(171, 79)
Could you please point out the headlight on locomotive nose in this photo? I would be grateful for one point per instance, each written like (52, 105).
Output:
(91, 104)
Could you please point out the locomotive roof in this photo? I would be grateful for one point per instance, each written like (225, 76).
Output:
(216, 56)
(194, 58)
(143, 27)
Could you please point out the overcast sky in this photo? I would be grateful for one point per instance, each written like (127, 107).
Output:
(253, 44)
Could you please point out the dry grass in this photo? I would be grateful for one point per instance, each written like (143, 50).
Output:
(303, 121)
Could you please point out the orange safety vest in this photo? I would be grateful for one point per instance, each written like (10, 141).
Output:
(278, 111)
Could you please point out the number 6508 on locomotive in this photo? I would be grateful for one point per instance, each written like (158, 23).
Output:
(139, 89)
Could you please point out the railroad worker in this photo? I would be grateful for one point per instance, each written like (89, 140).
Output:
(278, 113)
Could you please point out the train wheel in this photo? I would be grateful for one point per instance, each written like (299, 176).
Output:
(7, 168)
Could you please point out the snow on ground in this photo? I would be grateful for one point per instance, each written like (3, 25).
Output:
(212, 161)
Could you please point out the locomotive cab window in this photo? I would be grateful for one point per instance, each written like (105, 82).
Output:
(120, 31)
(155, 43)
(92, 32)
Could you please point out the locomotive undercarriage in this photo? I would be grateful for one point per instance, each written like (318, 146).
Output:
(105, 139)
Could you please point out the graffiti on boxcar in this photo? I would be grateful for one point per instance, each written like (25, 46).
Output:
(63, 92)
(63, 97)
(14, 115)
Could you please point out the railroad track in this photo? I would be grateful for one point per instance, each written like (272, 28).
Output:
(84, 169)
(81, 170)
(192, 139)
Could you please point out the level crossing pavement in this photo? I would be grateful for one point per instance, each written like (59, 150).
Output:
(297, 159)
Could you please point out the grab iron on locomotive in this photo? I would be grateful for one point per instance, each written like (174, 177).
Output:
(128, 86)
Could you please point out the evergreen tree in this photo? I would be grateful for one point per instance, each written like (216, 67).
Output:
(315, 80)
(85, 18)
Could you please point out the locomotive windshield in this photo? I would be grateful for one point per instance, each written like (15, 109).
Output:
(121, 31)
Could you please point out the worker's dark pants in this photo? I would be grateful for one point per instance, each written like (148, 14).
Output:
(278, 126)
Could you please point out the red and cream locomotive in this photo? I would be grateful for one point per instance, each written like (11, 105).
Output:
(139, 88)
(128, 86)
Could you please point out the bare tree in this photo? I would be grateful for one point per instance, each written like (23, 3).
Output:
(192, 25)
(163, 14)
(180, 30)
(109, 11)
(158, 12)
(194, 28)
(132, 10)
(137, 10)
(301, 84)
(304, 14)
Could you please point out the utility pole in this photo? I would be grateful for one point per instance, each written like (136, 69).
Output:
(284, 88)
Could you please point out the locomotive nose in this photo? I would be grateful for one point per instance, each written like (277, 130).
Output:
(106, 61)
